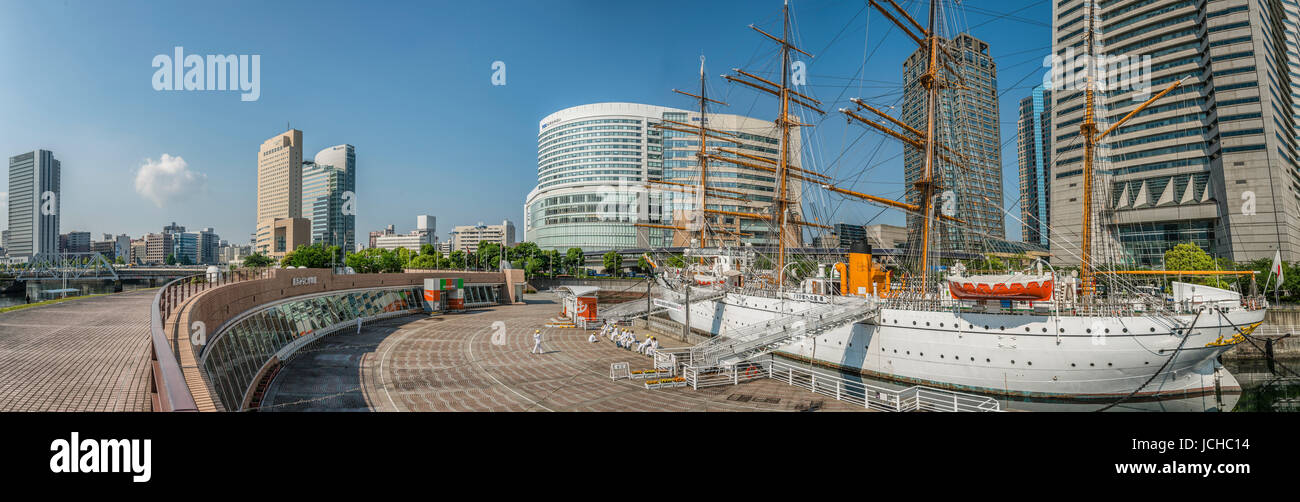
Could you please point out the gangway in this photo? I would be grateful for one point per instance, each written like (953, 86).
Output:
(636, 309)
(758, 339)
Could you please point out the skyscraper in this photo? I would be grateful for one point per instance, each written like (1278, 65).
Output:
(1033, 148)
(1213, 162)
(34, 203)
(967, 123)
(279, 194)
(329, 196)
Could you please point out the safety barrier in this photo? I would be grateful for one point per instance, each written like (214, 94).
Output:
(915, 398)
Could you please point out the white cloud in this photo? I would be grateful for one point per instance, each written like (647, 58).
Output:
(167, 179)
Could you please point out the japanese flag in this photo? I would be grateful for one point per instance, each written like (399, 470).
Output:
(1277, 267)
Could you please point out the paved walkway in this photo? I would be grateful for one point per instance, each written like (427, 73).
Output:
(450, 363)
(80, 355)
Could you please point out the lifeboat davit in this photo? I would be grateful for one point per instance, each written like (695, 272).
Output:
(1020, 287)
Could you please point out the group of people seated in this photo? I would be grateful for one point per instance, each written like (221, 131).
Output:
(626, 339)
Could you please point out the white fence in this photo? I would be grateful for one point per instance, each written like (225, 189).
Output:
(915, 398)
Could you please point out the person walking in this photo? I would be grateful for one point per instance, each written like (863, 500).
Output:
(537, 342)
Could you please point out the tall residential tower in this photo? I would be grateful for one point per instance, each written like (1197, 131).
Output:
(34, 200)
(279, 195)
(967, 124)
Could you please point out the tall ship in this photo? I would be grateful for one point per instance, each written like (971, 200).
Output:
(934, 312)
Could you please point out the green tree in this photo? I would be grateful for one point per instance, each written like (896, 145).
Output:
(423, 261)
(314, 256)
(258, 260)
(428, 250)
(489, 254)
(170, 259)
(574, 260)
(613, 263)
(678, 261)
(533, 266)
(524, 251)
(457, 259)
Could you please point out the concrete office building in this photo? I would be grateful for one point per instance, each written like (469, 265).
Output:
(424, 233)
(467, 237)
(329, 196)
(1213, 162)
(595, 163)
(1034, 158)
(75, 242)
(967, 123)
(158, 247)
(33, 178)
(279, 195)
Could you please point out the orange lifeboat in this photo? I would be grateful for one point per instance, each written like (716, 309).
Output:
(1018, 287)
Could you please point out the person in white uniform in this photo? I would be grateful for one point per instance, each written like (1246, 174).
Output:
(537, 342)
(592, 338)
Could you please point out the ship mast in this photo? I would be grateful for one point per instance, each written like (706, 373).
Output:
(785, 121)
(701, 191)
(1088, 129)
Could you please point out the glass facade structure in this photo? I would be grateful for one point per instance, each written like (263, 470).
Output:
(324, 184)
(234, 356)
(596, 165)
(967, 123)
(1033, 148)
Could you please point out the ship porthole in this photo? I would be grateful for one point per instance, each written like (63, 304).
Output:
(940, 356)
(1108, 330)
(1110, 364)
(927, 323)
(895, 351)
(972, 359)
(1044, 330)
(1026, 329)
(940, 325)
(1146, 362)
(909, 352)
(1089, 330)
(923, 354)
(1062, 330)
(1126, 330)
(914, 323)
(1002, 328)
(986, 326)
(986, 360)
(1071, 365)
(1029, 363)
(1153, 329)
(1092, 364)
(1013, 361)
(970, 326)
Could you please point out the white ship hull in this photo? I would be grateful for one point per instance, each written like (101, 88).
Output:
(1037, 356)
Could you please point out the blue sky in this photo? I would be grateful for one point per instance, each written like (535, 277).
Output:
(409, 85)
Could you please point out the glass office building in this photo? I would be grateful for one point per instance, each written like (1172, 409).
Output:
(596, 165)
(326, 183)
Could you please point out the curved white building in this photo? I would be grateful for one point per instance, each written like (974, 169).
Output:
(595, 162)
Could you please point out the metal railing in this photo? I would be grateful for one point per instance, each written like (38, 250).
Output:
(167, 386)
(914, 398)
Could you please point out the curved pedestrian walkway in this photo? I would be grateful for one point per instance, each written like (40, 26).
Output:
(480, 361)
(81, 355)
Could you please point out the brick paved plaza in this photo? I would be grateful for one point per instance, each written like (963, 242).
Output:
(450, 363)
(81, 355)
